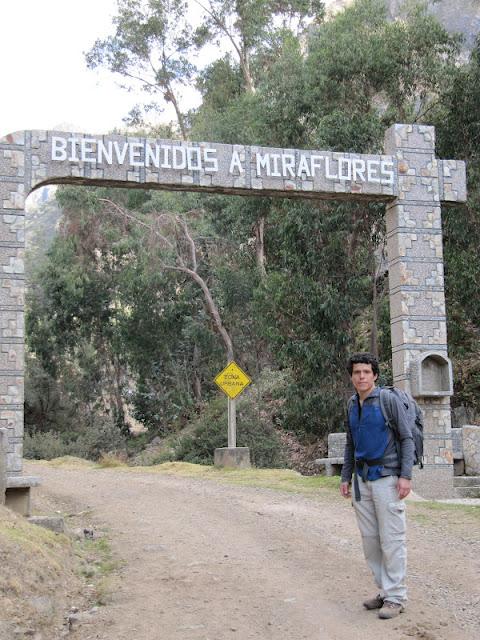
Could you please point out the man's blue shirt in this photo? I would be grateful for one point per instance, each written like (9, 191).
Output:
(369, 431)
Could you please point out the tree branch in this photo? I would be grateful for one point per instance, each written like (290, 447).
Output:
(193, 250)
(242, 55)
(192, 273)
(122, 212)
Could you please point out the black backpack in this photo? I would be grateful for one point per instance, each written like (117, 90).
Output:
(414, 413)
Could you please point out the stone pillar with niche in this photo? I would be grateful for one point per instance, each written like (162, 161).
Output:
(417, 298)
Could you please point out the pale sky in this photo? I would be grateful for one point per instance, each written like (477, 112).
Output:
(44, 81)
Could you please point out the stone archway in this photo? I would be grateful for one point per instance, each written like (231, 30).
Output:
(408, 178)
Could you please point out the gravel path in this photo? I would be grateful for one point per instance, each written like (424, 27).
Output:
(206, 561)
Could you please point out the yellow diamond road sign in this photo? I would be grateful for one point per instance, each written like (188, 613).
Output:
(232, 380)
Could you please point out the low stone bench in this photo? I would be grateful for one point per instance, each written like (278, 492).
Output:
(457, 445)
(336, 446)
(17, 493)
(332, 466)
(14, 489)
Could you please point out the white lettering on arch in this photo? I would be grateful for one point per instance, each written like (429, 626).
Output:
(177, 156)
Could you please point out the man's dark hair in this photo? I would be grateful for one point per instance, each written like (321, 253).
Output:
(363, 358)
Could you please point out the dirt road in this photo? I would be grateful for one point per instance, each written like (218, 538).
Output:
(204, 560)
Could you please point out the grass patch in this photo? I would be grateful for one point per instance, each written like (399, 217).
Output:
(420, 518)
(448, 510)
(458, 519)
(110, 460)
(36, 542)
(36, 562)
(99, 566)
(277, 479)
(452, 507)
(67, 462)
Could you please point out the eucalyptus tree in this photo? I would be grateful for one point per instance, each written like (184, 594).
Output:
(247, 25)
(151, 47)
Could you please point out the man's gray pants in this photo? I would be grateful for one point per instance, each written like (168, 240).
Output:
(382, 523)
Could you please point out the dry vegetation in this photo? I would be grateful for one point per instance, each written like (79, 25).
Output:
(38, 580)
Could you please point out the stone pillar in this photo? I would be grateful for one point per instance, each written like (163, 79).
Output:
(471, 449)
(14, 186)
(3, 464)
(417, 299)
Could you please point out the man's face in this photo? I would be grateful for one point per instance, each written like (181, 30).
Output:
(363, 379)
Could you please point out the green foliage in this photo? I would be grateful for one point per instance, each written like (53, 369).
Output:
(45, 408)
(94, 440)
(211, 433)
(44, 445)
(258, 411)
(307, 305)
(365, 72)
(457, 120)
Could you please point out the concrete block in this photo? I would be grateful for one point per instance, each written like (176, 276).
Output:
(336, 444)
(54, 523)
(236, 457)
(434, 481)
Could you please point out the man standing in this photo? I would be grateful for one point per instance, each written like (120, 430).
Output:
(381, 460)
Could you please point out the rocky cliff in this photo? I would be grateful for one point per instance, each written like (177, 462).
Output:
(461, 16)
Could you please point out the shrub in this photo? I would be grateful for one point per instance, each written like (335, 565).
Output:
(44, 445)
(99, 437)
(257, 412)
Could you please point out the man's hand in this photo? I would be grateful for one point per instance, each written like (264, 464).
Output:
(404, 487)
(345, 489)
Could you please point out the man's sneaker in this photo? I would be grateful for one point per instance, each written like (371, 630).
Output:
(390, 610)
(374, 603)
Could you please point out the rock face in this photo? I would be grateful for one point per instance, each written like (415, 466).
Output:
(471, 449)
(457, 16)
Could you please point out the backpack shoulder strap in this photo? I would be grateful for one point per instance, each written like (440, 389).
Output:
(385, 400)
(350, 402)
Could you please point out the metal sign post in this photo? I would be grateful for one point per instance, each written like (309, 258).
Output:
(232, 423)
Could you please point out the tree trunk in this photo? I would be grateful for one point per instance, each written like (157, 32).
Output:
(170, 97)
(243, 49)
(197, 384)
(212, 310)
(374, 331)
(247, 76)
(259, 229)
(117, 394)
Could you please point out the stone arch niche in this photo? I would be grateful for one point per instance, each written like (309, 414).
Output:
(408, 178)
(432, 375)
